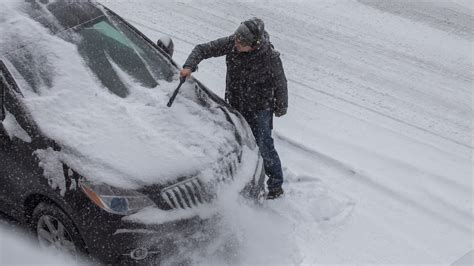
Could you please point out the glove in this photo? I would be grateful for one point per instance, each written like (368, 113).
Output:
(280, 112)
(185, 73)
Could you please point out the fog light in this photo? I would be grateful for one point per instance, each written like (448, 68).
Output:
(139, 253)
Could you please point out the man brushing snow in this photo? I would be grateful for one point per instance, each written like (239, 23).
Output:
(255, 85)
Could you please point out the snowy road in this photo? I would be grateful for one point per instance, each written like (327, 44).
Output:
(377, 145)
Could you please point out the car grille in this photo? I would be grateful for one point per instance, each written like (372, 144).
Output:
(192, 192)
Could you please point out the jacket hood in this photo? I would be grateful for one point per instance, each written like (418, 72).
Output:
(250, 31)
(265, 45)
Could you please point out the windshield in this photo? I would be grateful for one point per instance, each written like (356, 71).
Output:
(111, 51)
(111, 48)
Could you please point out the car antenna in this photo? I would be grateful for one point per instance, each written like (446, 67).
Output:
(181, 81)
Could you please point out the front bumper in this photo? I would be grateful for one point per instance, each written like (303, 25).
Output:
(139, 244)
(110, 239)
(113, 240)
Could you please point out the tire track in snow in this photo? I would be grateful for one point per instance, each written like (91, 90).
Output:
(445, 19)
(380, 113)
(367, 180)
(343, 43)
(308, 100)
(452, 208)
(344, 168)
(389, 100)
(348, 170)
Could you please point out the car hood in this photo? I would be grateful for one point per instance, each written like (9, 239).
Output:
(136, 142)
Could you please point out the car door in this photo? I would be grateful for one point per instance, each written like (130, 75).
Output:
(5, 144)
(19, 170)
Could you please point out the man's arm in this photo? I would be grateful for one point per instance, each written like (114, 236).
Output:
(280, 105)
(214, 48)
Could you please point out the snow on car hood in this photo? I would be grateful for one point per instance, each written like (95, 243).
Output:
(126, 142)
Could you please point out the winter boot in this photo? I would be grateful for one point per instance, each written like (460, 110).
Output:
(274, 194)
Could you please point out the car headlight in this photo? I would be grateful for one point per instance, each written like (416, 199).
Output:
(115, 200)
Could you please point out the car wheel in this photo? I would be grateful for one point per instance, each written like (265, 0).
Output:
(56, 232)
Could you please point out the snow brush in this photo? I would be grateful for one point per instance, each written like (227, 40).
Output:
(181, 81)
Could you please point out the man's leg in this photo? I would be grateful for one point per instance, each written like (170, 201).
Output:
(261, 124)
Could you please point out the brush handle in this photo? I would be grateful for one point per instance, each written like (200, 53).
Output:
(181, 81)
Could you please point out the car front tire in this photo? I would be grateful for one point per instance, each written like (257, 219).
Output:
(55, 231)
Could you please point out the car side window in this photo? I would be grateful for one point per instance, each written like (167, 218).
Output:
(13, 120)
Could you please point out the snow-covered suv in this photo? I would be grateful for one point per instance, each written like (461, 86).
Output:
(91, 158)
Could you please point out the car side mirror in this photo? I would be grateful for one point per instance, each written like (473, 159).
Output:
(166, 43)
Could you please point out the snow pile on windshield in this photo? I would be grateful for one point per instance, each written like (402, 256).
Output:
(126, 142)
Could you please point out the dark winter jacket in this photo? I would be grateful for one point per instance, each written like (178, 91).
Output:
(254, 81)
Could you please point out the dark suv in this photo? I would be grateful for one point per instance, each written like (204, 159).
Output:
(64, 179)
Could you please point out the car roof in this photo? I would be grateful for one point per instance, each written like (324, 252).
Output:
(61, 15)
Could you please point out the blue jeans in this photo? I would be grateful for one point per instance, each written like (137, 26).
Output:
(261, 123)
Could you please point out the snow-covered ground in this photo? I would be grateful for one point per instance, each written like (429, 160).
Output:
(16, 248)
(377, 144)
